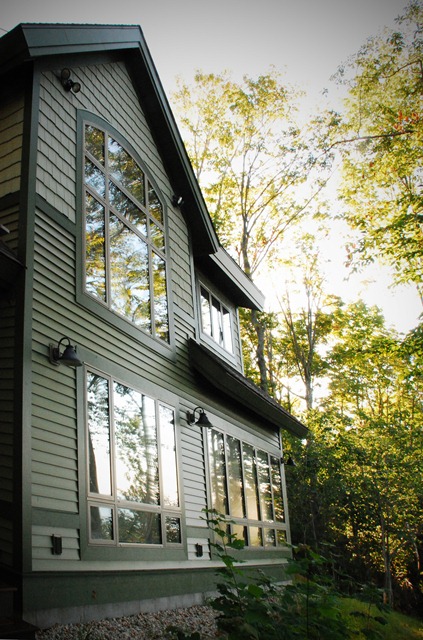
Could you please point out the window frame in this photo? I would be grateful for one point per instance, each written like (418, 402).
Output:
(91, 303)
(245, 522)
(209, 337)
(112, 502)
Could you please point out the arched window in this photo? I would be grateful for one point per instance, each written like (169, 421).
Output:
(125, 240)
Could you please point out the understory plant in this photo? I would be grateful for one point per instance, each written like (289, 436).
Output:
(253, 607)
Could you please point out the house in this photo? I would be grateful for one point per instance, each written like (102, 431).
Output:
(124, 408)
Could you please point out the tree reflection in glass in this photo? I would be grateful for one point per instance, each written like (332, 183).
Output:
(154, 204)
(94, 142)
(168, 457)
(124, 169)
(127, 208)
(277, 489)
(264, 485)
(173, 530)
(218, 471)
(95, 258)
(161, 318)
(139, 527)
(129, 279)
(235, 483)
(98, 434)
(137, 469)
(101, 523)
(124, 236)
(251, 486)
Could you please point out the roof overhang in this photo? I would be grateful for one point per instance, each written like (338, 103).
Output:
(233, 385)
(232, 280)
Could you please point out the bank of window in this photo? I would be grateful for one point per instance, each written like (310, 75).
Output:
(132, 466)
(125, 240)
(216, 319)
(246, 486)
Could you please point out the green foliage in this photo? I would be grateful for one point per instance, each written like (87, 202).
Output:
(254, 607)
(379, 136)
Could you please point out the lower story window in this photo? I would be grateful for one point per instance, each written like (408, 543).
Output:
(132, 467)
(246, 485)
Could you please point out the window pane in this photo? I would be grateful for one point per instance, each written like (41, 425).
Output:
(173, 530)
(129, 279)
(218, 471)
(101, 523)
(139, 527)
(161, 319)
(157, 236)
(127, 208)
(95, 178)
(94, 142)
(155, 206)
(95, 258)
(236, 489)
(217, 329)
(137, 471)
(281, 536)
(98, 434)
(241, 532)
(256, 536)
(250, 478)
(269, 538)
(168, 457)
(124, 168)
(264, 486)
(277, 490)
(205, 311)
(227, 331)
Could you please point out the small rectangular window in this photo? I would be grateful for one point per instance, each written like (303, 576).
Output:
(216, 320)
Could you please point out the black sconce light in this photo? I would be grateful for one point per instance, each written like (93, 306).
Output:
(68, 356)
(202, 421)
(198, 550)
(289, 463)
(67, 83)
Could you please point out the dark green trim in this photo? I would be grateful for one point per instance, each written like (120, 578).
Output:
(55, 215)
(23, 351)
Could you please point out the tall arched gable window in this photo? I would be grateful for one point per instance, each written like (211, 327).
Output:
(125, 248)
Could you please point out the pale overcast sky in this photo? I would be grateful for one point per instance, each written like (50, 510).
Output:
(305, 39)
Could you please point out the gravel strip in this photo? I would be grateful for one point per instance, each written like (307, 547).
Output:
(144, 626)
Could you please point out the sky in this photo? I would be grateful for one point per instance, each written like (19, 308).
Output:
(305, 39)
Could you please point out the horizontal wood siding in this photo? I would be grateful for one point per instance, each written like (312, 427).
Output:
(42, 543)
(11, 134)
(54, 426)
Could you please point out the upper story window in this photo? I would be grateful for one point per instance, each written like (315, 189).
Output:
(125, 240)
(216, 319)
(246, 485)
(132, 466)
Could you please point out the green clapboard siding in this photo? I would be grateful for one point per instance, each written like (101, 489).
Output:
(11, 128)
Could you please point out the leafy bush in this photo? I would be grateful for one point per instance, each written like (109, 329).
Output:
(255, 608)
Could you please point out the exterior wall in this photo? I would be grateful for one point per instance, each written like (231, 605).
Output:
(58, 449)
(11, 130)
